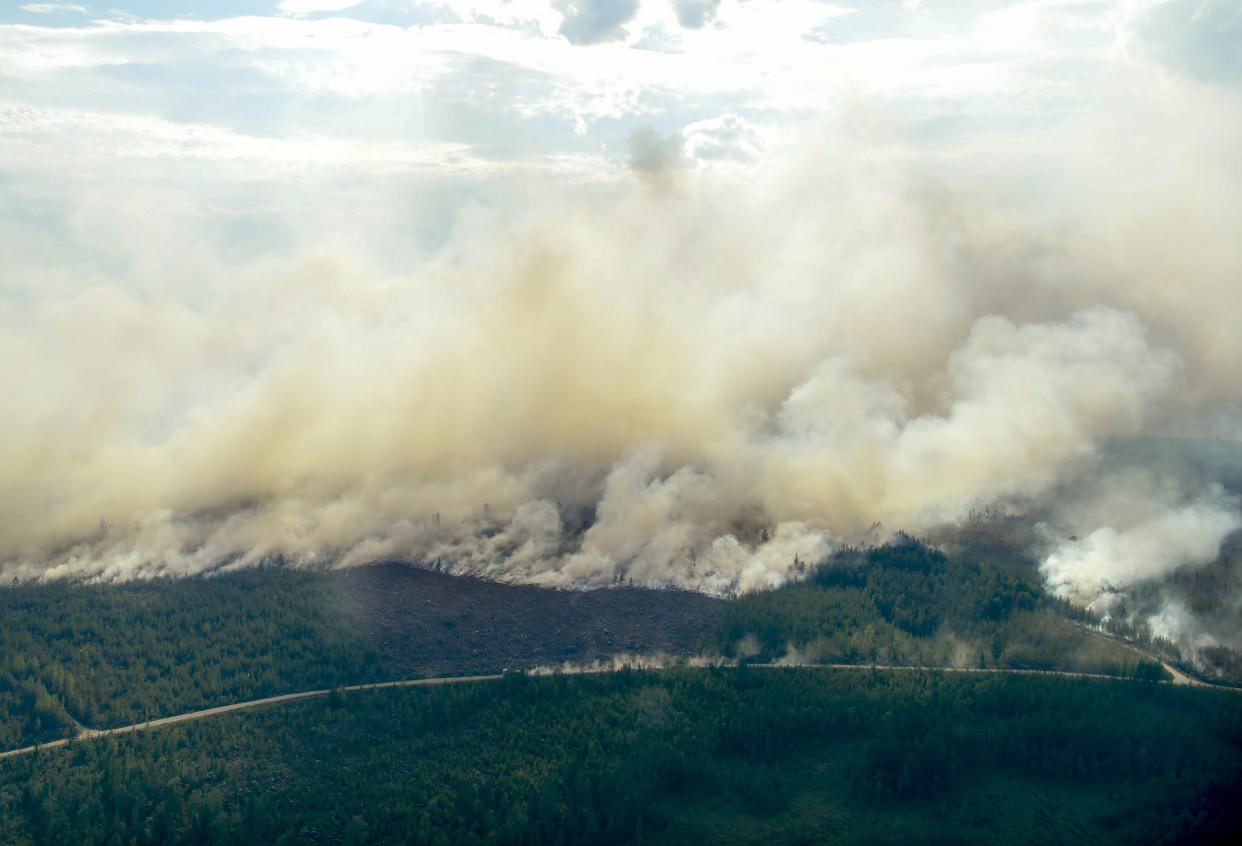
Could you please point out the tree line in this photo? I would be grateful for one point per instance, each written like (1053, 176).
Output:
(720, 754)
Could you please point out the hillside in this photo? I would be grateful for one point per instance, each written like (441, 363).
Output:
(431, 624)
(907, 603)
(110, 655)
(726, 754)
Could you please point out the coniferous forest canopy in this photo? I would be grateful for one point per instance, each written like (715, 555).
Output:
(909, 604)
(748, 754)
(728, 753)
(112, 655)
(584, 372)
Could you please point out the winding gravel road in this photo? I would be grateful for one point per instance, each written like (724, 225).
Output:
(87, 733)
(84, 733)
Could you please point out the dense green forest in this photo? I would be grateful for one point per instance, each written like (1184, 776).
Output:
(907, 603)
(722, 754)
(710, 755)
(109, 655)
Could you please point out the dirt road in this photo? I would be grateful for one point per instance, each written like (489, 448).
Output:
(87, 733)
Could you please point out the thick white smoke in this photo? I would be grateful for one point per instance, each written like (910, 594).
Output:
(632, 399)
(1137, 545)
(673, 376)
(1112, 558)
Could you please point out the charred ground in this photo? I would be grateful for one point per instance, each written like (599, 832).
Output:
(429, 623)
(107, 655)
(724, 754)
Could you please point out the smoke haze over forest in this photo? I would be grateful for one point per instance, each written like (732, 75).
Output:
(570, 293)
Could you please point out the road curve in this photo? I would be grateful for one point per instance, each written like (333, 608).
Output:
(1179, 677)
(87, 733)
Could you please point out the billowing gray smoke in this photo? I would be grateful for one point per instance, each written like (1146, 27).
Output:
(672, 377)
(650, 392)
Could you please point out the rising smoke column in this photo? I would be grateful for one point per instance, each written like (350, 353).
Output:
(762, 339)
(630, 399)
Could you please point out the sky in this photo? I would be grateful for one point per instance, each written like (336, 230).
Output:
(208, 116)
(580, 291)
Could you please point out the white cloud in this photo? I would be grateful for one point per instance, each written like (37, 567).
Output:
(53, 8)
(693, 14)
(26, 132)
(309, 7)
(728, 137)
(589, 22)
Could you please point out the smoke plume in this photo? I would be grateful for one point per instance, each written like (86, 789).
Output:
(697, 380)
(648, 392)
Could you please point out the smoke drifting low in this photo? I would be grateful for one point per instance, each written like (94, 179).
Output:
(685, 384)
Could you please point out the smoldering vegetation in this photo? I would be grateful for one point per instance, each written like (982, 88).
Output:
(431, 624)
(117, 654)
(674, 381)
